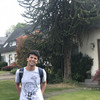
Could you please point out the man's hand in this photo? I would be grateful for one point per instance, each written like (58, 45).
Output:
(43, 86)
(18, 87)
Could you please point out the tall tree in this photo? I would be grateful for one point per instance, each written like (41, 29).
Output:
(25, 44)
(63, 21)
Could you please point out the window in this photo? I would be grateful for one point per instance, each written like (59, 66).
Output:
(10, 58)
(3, 58)
(5, 44)
(13, 43)
(15, 57)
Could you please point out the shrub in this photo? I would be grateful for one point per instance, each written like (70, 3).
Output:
(2, 64)
(13, 71)
(96, 77)
(80, 65)
(9, 68)
(54, 77)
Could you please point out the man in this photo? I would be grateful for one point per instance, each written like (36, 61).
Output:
(30, 87)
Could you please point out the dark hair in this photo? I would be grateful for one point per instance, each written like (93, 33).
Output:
(35, 52)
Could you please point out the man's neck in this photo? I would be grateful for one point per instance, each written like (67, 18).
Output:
(30, 68)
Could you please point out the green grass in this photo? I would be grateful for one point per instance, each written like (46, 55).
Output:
(80, 95)
(58, 87)
(8, 90)
(53, 90)
(1, 72)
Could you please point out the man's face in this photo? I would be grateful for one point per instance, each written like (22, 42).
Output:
(32, 60)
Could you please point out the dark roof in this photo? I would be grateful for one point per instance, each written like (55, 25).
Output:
(17, 33)
(2, 40)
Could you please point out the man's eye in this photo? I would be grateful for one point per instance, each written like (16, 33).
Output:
(35, 58)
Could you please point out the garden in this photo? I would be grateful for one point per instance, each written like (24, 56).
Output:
(57, 41)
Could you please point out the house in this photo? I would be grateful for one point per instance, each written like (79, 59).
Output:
(8, 50)
(91, 47)
(2, 40)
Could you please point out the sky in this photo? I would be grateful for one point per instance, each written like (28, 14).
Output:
(10, 14)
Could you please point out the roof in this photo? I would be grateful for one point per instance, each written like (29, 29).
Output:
(19, 32)
(12, 38)
(2, 40)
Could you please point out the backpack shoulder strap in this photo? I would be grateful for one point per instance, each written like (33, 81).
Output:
(40, 73)
(21, 71)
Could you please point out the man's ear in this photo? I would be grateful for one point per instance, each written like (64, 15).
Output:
(37, 61)
(26, 59)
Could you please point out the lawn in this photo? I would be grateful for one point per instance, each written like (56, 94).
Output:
(80, 95)
(58, 87)
(2, 72)
(8, 92)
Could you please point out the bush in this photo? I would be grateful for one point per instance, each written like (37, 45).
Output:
(2, 64)
(54, 77)
(13, 71)
(80, 65)
(9, 68)
(96, 77)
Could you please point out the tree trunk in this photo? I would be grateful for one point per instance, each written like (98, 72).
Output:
(67, 63)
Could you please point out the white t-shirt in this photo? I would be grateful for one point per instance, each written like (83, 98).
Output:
(30, 89)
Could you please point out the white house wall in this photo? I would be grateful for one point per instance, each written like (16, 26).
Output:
(87, 48)
(6, 57)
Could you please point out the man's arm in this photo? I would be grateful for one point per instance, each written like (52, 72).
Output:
(43, 86)
(18, 87)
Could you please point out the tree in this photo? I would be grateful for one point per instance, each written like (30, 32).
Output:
(63, 21)
(21, 51)
(24, 45)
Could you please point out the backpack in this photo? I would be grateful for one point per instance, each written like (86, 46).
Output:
(21, 71)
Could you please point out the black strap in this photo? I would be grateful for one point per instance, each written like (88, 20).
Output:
(41, 74)
(21, 70)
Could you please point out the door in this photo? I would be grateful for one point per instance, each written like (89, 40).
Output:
(99, 52)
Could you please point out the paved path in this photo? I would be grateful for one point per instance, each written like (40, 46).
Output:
(6, 76)
(60, 92)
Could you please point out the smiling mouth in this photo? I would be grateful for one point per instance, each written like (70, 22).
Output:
(31, 62)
